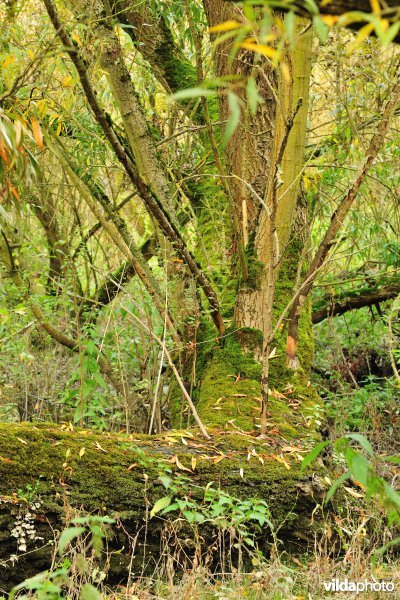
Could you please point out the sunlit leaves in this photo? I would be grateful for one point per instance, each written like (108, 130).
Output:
(160, 505)
(225, 26)
(362, 471)
(17, 163)
(267, 51)
(37, 133)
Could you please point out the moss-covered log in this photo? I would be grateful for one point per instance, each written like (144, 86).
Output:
(73, 472)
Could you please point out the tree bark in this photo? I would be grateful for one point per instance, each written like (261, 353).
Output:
(264, 158)
(331, 306)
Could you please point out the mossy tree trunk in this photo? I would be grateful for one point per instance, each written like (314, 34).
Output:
(262, 163)
(48, 476)
(264, 160)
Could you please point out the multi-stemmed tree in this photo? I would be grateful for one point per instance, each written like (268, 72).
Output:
(245, 107)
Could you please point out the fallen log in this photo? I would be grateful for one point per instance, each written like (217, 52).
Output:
(56, 473)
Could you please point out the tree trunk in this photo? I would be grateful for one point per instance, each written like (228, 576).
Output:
(82, 472)
(264, 158)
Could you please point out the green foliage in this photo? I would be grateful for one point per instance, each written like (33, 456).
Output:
(362, 470)
(30, 492)
(56, 583)
(86, 390)
(216, 507)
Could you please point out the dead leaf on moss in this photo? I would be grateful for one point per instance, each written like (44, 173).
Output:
(6, 460)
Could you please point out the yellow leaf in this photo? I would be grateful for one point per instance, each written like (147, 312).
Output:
(241, 473)
(384, 23)
(282, 460)
(42, 107)
(225, 26)
(97, 445)
(14, 191)
(37, 133)
(22, 441)
(59, 127)
(18, 132)
(278, 22)
(286, 72)
(292, 449)
(184, 442)
(180, 465)
(67, 81)
(9, 60)
(82, 452)
(353, 493)
(194, 462)
(218, 459)
(329, 20)
(361, 36)
(6, 460)
(375, 6)
(54, 118)
(76, 39)
(259, 48)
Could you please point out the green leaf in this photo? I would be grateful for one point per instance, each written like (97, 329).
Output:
(392, 459)
(335, 486)
(311, 7)
(362, 440)
(160, 505)
(392, 495)
(253, 97)
(99, 380)
(195, 92)
(378, 553)
(199, 517)
(359, 469)
(68, 535)
(189, 515)
(170, 508)
(289, 25)
(234, 117)
(388, 36)
(165, 480)
(32, 583)
(313, 454)
(321, 29)
(89, 592)
(91, 348)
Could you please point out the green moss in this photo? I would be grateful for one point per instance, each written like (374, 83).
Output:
(229, 393)
(117, 475)
(254, 266)
(180, 74)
